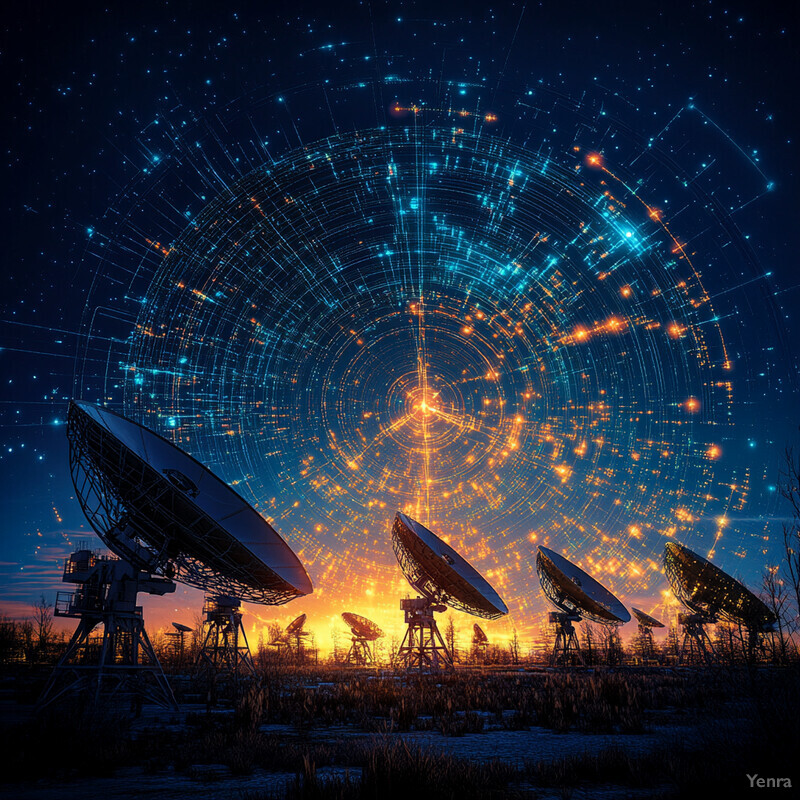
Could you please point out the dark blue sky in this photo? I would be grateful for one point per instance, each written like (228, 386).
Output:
(94, 94)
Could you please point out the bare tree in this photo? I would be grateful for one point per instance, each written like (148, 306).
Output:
(43, 624)
(336, 653)
(450, 637)
(394, 647)
(790, 489)
(672, 644)
(776, 596)
(589, 644)
(513, 647)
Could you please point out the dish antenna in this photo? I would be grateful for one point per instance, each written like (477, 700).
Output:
(709, 594)
(178, 639)
(443, 578)
(167, 518)
(578, 596)
(363, 633)
(480, 642)
(646, 623)
(479, 637)
(295, 632)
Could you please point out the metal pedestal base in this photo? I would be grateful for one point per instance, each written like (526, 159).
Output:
(696, 647)
(225, 650)
(423, 648)
(122, 662)
(566, 649)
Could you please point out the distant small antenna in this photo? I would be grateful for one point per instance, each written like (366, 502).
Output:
(480, 643)
(364, 634)
(646, 623)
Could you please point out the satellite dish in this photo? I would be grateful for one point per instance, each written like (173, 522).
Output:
(362, 627)
(479, 636)
(167, 518)
(443, 578)
(706, 589)
(643, 643)
(438, 572)
(578, 596)
(709, 593)
(158, 508)
(364, 632)
(574, 591)
(181, 627)
(645, 620)
(295, 627)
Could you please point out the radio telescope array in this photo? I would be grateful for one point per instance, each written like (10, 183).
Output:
(577, 596)
(709, 594)
(363, 635)
(167, 518)
(443, 578)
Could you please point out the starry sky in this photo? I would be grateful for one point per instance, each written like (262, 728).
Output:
(525, 271)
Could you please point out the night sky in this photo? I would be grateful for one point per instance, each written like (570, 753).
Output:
(526, 272)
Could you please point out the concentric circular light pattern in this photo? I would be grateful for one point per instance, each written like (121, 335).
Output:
(449, 324)
(498, 331)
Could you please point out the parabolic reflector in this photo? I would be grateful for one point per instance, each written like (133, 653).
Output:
(295, 627)
(645, 620)
(438, 572)
(158, 508)
(707, 590)
(362, 627)
(571, 589)
(479, 635)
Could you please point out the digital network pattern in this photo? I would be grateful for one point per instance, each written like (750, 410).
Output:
(512, 314)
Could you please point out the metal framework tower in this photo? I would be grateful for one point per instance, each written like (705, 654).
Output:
(566, 649)
(123, 660)
(696, 646)
(645, 645)
(360, 652)
(225, 649)
(423, 648)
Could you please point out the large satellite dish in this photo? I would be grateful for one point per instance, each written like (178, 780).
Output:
(437, 571)
(161, 510)
(364, 633)
(709, 593)
(706, 589)
(362, 627)
(574, 591)
(443, 578)
(578, 596)
(166, 517)
(295, 627)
